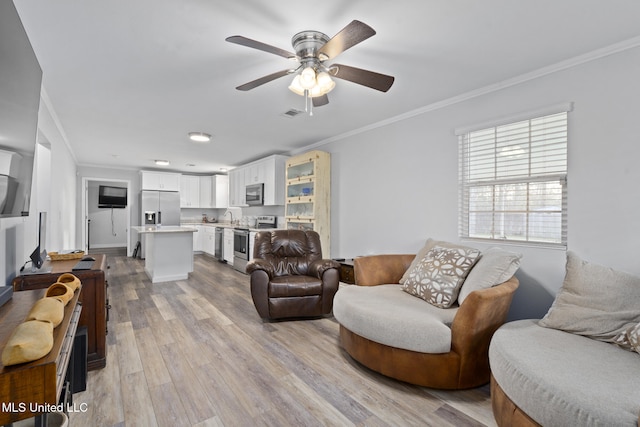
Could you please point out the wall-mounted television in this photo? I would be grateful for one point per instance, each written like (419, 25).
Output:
(20, 80)
(112, 197)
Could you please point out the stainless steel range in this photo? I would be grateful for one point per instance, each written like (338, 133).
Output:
(242, 241)
(266, 221)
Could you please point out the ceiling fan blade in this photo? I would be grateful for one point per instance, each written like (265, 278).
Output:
(349, 36)
(263, 80)
(381, 82)
(243, 41)
(319, 101)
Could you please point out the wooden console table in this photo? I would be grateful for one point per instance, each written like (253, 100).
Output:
(27, 385)
(95, 304)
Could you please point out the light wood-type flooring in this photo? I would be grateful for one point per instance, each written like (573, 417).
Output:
(195, 353)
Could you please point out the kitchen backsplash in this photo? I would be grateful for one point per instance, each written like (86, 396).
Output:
(246, 216)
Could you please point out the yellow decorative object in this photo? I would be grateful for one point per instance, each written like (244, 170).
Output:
(61, 291)
(55, 256)
(29, 341)
(50, 309)
(70, 280)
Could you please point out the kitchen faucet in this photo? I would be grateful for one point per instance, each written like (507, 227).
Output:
(230, 214)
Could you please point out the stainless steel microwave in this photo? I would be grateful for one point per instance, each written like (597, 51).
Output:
(255, 195)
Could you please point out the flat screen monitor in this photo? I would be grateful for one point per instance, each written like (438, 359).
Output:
(112, 197)
(39, 254)
(20, 79)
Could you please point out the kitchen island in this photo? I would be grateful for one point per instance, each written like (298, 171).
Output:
(169, 252)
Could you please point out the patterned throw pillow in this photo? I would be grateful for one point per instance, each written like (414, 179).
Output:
(634, 338)
(437, 278)
(429, 244)
(629, 339)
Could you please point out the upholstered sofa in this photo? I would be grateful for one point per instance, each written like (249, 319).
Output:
(392, 331)
(576, 366)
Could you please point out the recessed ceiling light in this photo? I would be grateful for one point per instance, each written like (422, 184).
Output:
(223, 169)
(199, 136)
(191, 165)
(162, 162)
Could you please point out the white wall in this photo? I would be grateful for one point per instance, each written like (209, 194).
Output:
(396, 185)
(124, 176)
(108, 226)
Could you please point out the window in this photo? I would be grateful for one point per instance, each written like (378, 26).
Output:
(513, 181)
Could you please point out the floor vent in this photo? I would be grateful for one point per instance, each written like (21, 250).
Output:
(292, 113)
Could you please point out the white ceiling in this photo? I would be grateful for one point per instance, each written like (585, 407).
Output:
(128, 79)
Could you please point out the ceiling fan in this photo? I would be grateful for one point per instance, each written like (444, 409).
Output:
(313, 76)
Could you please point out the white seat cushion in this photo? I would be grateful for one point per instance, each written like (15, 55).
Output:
(388, 315)
(564, 379)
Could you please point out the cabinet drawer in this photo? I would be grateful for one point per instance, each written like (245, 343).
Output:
(347, 275)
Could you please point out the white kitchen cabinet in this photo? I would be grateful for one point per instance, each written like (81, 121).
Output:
(209, 240)
(197, 238)
(206, 191)
(270, 171)
(233, 194)
(255, 173)
(189, 191)
(214, 191)
(220, 191)
(237, 187)
(162, 181)
(228, 245)
(273, 169)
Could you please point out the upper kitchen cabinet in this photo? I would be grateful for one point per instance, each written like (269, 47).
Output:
(308, 190)
(162, 181)
(214, 191)
(268, 171)
(273, 169)
(220, 191)
(204, 191)
(236, 187)
(190, 191)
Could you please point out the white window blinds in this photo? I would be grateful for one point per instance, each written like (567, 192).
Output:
(513, 181)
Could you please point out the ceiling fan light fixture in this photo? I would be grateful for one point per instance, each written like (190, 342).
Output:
(295, 86)
(199, 136)
(325, 82)
(315, 91)
(308, 78)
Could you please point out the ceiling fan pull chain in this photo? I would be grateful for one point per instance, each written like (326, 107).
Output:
(306, 100)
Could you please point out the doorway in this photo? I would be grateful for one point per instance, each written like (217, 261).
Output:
(105, 229)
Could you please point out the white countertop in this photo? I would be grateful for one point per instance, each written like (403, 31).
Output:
(164, 229)
(226, 225)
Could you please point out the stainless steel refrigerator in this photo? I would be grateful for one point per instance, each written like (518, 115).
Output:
(159, 208)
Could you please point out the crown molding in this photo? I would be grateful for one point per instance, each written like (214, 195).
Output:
(541, 72)
(44, 96)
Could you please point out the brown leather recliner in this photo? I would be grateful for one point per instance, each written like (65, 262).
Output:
(289, 278)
